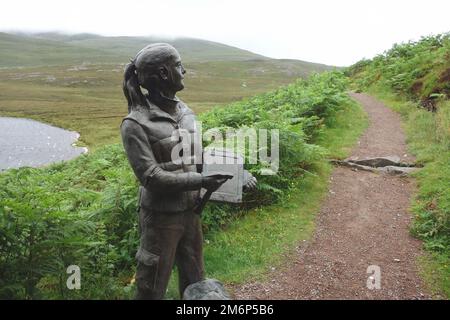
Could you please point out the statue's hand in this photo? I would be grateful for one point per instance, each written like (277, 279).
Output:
(212, 183)
(249, 181)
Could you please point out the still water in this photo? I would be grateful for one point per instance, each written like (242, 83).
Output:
(30, 143)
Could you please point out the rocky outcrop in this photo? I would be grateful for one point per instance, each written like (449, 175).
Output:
(389, 165)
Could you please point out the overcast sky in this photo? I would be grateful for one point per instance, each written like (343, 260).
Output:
(339, 32)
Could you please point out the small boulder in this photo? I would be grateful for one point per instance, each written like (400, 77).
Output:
(209, 289)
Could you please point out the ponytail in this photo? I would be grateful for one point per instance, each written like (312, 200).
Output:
(131, 87)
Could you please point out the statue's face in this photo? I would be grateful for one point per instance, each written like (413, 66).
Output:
(159, 68)
(175, 73)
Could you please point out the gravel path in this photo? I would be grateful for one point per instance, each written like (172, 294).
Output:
(363, 222)
(25, 142)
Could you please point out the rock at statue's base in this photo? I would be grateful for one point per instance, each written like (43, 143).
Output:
(209, 289)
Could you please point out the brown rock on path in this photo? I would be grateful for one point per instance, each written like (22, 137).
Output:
(363, 221)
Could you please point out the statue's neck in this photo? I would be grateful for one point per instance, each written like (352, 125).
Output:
(168, 103)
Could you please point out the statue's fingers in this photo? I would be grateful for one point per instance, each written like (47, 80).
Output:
(250, 185)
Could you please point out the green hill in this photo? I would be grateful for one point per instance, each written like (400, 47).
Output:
(23, 50)
(26, 51)
(121, 48)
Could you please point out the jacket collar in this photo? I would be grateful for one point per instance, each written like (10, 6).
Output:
(155, 112)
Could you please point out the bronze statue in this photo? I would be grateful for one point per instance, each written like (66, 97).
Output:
(170, 229)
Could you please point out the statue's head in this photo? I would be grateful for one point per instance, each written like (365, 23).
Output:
(157, 67)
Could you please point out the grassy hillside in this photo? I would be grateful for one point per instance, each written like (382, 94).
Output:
(59, 49)
(417, 70)
(190, 49)
(25, 51)
(414, 79)
(83, 94)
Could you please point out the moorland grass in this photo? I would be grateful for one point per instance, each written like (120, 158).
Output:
(89, 99)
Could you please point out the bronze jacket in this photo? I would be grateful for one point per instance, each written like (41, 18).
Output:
(147, 139)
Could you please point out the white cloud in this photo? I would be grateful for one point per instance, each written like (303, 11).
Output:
(333, 32)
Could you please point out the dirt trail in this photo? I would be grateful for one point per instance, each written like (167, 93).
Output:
(364, 221)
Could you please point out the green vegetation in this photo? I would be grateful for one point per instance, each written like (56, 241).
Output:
(249, 245)
(75, 82)
(84, 211)
(415, 70)
(435, 272)
(394, 77)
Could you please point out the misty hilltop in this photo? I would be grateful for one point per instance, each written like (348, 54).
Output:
(39, 49)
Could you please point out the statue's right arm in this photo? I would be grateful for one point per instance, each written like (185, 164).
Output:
(142, 160)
